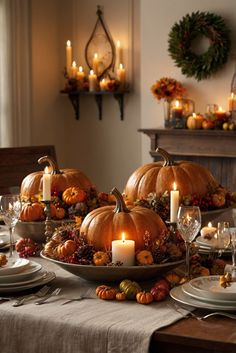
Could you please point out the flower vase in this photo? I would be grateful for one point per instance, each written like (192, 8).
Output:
(166, 108)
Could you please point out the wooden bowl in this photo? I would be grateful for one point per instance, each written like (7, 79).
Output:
(115, 273)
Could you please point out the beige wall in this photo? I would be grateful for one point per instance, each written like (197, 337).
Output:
(108, 150)
(157, 18)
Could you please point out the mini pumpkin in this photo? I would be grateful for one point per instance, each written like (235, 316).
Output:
(107, 223)
(60, 213)
(144, 297)
(3, 260)
(106, 293)
(50, 249)
(195, 121)
(144, 257)
(191, 178)
(32, 212)
(120, 296)
(66, 249)
(130, 288)
(101, 258)
(73, 195)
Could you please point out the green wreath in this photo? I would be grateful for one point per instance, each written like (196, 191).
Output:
(194, 26)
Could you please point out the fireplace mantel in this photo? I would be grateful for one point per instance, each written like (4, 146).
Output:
(215, 149)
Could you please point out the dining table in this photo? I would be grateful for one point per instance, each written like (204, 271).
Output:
(90, 324)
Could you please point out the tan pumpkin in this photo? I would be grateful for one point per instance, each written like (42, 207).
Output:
(61, 180)
(32, 212)
(190, 178)
(105, 224)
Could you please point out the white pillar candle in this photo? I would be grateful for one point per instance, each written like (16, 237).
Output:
(68, 56)
(208, 232)
(174, 203)
(123, 251)
(46, 185)
(80, 75)
(74, 70)
(103, 84)
(92, 81)
(118, 54)
(121, 75)
(95, 63)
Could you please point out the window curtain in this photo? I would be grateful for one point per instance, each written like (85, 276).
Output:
(15, 93)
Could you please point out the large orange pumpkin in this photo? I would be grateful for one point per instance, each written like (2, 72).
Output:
(61, 179)
(190, 178)
(105, 224)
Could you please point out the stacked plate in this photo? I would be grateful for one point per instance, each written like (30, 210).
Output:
(206, 292)
(209, 245)
(21, 274)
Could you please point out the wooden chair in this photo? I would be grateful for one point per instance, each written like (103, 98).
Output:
(17, 162)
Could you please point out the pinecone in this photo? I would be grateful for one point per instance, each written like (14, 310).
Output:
(85, 253)
(159, 253)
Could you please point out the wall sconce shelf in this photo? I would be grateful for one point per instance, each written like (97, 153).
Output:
(74, 98)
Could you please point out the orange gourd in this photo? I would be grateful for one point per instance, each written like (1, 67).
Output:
(66, 249)
(106, 293)
(61, 180)
(144, 297)
(101, 258)
(73, 195)
(144, 257)
(105, 224)
(32, 212)
(190, 178)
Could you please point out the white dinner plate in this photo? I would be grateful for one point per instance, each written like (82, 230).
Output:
(209, 287)
(177, 294)
(189, 290)
(36, 277)
(26, 273)
(14, 266)
(49, 277)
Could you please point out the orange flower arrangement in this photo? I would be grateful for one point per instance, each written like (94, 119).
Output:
(167, 88)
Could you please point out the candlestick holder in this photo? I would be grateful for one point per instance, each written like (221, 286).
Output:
(48, 222)
(172, 226)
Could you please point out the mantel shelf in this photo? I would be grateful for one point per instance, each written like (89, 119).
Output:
(215, 149)
(74, 97)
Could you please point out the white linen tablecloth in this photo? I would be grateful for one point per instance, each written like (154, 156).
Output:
(86, 326)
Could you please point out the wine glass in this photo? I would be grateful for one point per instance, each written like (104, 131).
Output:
(233, 247)
(188, 224)
(222, 237)
(10, 208)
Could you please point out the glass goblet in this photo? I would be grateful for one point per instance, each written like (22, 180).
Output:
(233, 248)
(10, 208)
(222, 237)
(188, 224)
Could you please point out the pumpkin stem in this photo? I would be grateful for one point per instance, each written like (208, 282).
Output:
(168, 161)
(120, 203)
(51, 162)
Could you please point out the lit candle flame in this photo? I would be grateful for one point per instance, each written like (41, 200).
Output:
(118, 44)
(80, 69)
(177, 104)
(210, 225)
(91, 72)
(121, 66)
(194, 115)
(74, 64)
(174, 186)
(46, 170)
(95, 55)
(68, 43)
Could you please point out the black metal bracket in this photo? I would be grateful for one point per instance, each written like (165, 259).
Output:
(74, 98)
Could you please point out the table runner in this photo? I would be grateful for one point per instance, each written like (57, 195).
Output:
(86, 326)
